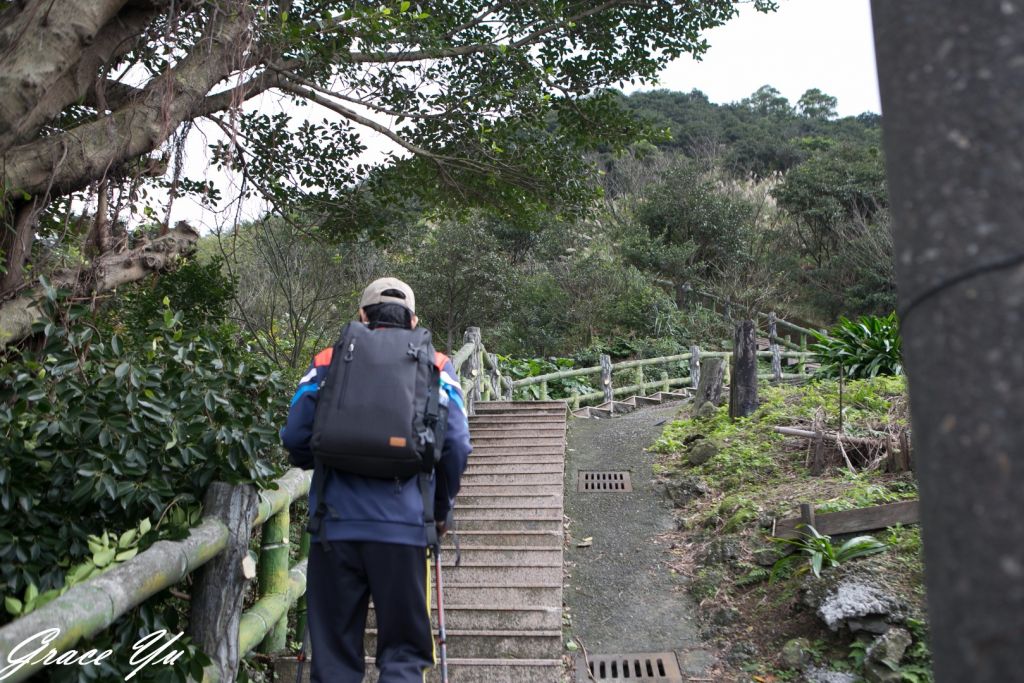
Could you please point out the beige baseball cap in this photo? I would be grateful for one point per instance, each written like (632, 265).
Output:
(375, 293)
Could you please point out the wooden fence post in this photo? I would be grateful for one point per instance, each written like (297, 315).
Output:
(300, 604)
(743, 381)
(640, 381)
(544, 390)
(606, 377)
(712, 372)
(800, 366)
(216, 604)
(471, 369)
(664, 381)
(694, 366)
(273, 574)
(774, 347)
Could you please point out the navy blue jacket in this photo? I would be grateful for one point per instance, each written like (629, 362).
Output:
(365, 509)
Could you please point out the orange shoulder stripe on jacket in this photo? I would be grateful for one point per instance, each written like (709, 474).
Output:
(440, 359)
(323, 358)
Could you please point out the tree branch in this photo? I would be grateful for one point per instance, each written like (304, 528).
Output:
(45, 42)
(69, 161)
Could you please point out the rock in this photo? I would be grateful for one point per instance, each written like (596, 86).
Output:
(741, 652)
(722, 551)
(725, 616)
(882, 658)
(701, 452)
(682, 490)
(768, 556)
(854, 604)
(855, 598)
(826, 676)
(796, 653)
(706, 410)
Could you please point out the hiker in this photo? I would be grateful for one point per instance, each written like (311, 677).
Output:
(370, 533)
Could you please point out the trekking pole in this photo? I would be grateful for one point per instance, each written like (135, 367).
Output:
(303, 653)
(442, 636)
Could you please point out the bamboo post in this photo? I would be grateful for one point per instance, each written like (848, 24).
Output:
(664, 381)
(544, 390)
(273, 575)
(694, 366)
(492, 359)
(639, 379)
(606, 377)
(220, 587)
(807, 515)
(774, 347)
(300, 605)
(575, 398)
(800, 367)
(471, 369)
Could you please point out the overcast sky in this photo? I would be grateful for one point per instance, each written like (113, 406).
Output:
(824, 44)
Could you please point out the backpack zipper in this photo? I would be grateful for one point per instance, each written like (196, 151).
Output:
(344, 379)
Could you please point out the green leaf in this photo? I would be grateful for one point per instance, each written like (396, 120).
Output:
(13, 606)
(125, 555)
(122, 370)
(104, 557)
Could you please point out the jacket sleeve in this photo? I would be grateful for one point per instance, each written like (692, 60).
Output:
(456, 450)
(298, 429)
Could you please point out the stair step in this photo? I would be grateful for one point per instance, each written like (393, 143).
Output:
(526, 500)
(499, 439)
(471, 489)
(461, 669)
(488, 451)
(491, 617)
(478, 524)
(520, 593)
(487, 458)
(520, 426)
(514, 406)
(507, 512)
(509, 478)
(498, 419)
(500, 644)
(504, 556)
(470, 538)
(514, 468)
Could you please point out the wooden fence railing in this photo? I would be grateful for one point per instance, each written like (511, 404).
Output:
(89, 608)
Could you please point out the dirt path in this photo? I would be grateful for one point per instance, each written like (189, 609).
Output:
(621, 595)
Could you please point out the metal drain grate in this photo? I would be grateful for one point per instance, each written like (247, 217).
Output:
(604, 481)
(658, 667)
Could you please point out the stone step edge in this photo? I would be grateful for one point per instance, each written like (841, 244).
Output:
(458, 661)
(483, 633)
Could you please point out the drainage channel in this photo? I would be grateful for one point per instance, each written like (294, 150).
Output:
(601, 480)
(658, 667)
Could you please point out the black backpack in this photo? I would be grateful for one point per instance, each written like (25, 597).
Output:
(378, 412)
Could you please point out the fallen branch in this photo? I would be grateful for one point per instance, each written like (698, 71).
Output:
(831, 436)
(107, 272)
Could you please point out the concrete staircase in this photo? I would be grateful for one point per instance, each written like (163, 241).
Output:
(503, 604)
(613, 408)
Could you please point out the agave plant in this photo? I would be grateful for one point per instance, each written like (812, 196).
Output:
(867, 347)
(817, 551)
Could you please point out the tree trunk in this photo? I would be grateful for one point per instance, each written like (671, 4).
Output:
(709, 389)
(743, 373)
(219, 591)
(15, 245)
(951, 83)
(107, 272)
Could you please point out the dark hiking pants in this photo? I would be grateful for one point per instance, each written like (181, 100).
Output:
(340, 583)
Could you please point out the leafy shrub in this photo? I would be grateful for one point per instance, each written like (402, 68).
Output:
(817, 551)
(861, 349)
(112, 431)
(521, 368)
